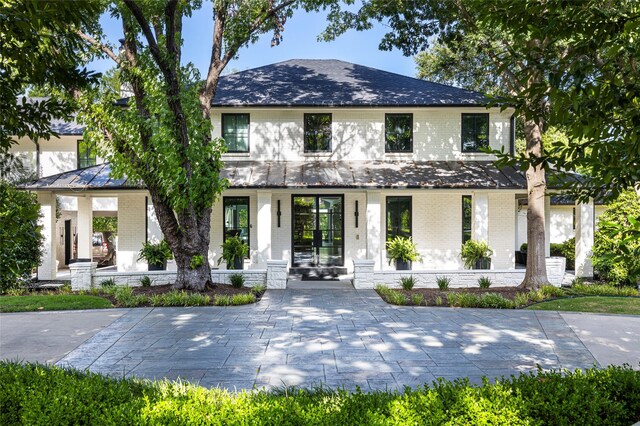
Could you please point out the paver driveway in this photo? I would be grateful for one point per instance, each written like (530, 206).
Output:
(335, 337)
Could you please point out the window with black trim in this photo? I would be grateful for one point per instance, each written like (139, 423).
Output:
(466, 218)
(236, 217)
(398, 217)
(398, 132)
(317, 132)
(235, 132)
(475, 132)
(86, 154)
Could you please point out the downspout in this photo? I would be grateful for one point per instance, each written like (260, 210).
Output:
(512, 135)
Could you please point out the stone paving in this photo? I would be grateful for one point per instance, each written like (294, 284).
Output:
(337, 338)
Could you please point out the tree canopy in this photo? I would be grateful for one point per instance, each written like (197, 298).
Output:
(40, 46)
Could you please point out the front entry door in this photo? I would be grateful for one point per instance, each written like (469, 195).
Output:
(317, 231)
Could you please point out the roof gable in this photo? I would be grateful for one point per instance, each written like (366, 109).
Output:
(331, 83)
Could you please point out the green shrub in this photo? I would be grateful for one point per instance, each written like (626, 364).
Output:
(237, 280)
(403, 249)
(595, 396)
(567, 250)
(236, 299)
(523, 247)
(258, 289)
(417, 299)
(407, 283)
(473, 251)
(551, 291)
(438, 301)
(155, 253)
(145, 281)
(521, 299)
(601, 290)
(21, 237)
(487, 300)
(396, 298)
(108, 283)
(443, 283)
(610, 240)
(484, 282)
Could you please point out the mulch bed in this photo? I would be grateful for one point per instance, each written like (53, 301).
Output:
(431, 294)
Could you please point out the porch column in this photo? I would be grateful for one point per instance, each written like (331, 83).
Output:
(132, 215)
(263, 232)
(585, 225)
(85, 227)
(374, 234)
(481, 216)
(547, 226)
(48, 269)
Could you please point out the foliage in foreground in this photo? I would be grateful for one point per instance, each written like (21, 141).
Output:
(593, 397)
(615, 251)
(20, 236)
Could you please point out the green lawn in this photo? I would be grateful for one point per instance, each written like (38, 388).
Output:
(604, 305)
(56, 302)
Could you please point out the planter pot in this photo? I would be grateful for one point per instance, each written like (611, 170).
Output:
(483, 263)
(157, 267)
(238, 264)
(521, 257)
(402, 265)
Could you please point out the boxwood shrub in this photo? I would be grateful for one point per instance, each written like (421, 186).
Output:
(39, 395)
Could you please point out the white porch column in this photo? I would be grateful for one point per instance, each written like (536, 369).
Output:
(547, 226)
(85, 227)
(374, 234)
(481, 216)
(585, 225)
(132, 215)
(263, 232)
(48, 269)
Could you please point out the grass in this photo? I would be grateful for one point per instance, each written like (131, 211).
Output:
(596, 304)
(36, 394)
(54, 302)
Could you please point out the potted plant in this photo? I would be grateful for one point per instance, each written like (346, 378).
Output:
(156, 255)
(476, 255)
(521, 255)
(234, 250)
(403, 251)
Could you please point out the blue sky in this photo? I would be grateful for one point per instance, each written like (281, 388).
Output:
(299, 42)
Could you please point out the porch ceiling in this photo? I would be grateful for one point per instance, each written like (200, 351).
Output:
(317, 174)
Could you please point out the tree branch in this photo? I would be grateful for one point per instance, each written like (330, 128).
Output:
(148, 33)
(95, 43)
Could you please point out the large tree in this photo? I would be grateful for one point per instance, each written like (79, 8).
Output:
(477, 45)
(40, 46)
(163, 137)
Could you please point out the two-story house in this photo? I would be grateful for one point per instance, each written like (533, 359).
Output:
(327, 160)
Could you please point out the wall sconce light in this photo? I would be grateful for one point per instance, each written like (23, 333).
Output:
(356, 213)
(61, 235)
(279, 213)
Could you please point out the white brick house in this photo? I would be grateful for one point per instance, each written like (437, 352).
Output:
(326, 161)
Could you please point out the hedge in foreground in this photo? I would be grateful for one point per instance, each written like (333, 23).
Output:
(34, 394)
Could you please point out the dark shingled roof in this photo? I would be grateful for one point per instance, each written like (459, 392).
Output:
(333, 83)
(60, 126)
(318, 174)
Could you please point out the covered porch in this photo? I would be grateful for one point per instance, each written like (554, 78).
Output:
(346, 218)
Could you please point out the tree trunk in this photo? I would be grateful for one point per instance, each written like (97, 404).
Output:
(536, 274)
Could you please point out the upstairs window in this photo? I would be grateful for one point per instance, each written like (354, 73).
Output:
(86, 154)
(466, 218)
(317, 132)
(398, 217)
(398, 132)
(236, 218)
(475, 132)
(235, 132)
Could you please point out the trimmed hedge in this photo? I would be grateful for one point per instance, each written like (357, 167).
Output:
(35, 394)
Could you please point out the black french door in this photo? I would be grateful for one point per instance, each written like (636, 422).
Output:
(318, 233)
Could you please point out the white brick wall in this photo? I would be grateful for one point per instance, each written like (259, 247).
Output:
(502, 232)
(358, 134)
(132, 279)
(131, 230)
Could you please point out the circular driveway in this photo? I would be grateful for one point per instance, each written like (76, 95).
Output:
(348, 338)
